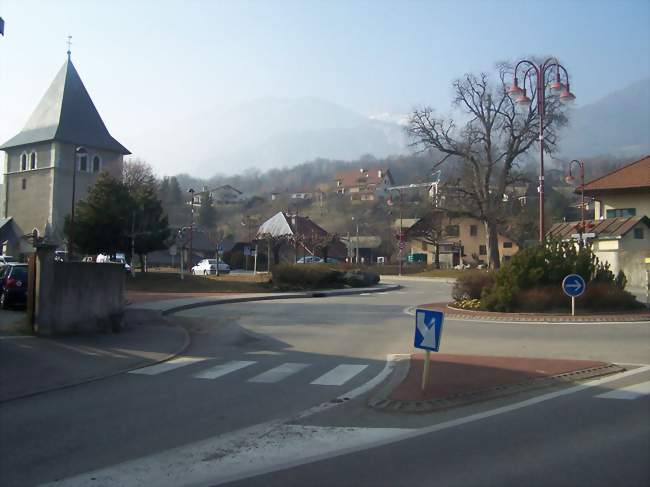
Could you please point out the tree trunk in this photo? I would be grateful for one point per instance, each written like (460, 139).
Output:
(492, 244)
(141, 259)
(437, 256)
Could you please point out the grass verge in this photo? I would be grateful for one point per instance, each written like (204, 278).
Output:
(168, 282)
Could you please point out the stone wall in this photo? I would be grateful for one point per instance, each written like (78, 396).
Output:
(78, 297)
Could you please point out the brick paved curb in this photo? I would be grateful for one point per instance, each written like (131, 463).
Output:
(463, 314)
(382, 401)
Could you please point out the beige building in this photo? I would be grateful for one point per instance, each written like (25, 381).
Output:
(461, 240)
(620, 230)
(64, 133)
(622, 193)
(623, 242)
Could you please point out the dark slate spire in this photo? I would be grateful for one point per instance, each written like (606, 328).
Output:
(66, 113)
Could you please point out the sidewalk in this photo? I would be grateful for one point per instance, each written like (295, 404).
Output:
(463, 314)
(30, 365)
(456, 380)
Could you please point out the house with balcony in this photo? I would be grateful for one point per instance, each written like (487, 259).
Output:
(364, 184)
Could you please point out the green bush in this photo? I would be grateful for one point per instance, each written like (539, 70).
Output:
(319, 276)
(602, 296)
(470, 284)
(544, 267)
(306, 276)
(544, 298)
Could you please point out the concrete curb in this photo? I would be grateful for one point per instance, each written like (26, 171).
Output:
(382, 402)
(447, 280)
(462, 314)
(308, 294)
(145, 363)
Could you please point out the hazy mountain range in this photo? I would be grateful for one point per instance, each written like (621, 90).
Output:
(273, 133)
(617, 125)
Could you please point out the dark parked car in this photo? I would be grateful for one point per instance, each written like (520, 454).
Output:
(13, 285)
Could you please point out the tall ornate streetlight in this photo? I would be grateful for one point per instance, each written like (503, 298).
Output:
(570, 179)
(557, 88)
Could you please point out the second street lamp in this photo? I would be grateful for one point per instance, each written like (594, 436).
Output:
(539, 74)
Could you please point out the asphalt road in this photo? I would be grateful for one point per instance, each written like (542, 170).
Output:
(253, 363)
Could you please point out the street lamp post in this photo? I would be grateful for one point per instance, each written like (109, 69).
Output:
(77, 150)
(189, 260)
(557, 88)
(430, 185)
(570, 179)
(356, 247)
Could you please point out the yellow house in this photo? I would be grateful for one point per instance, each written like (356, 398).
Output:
(461, 240)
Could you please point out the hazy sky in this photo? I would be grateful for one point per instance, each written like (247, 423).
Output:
(153, 64)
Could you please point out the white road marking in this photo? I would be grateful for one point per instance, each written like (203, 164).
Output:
(339, 375)
(223, 369)
(278, 373)
(172, 364)
(627, 393)
(272, 446)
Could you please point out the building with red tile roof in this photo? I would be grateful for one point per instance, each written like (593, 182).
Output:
(624, 192)
(364, 184)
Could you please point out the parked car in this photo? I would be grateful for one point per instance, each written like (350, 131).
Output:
(119, 259)
(60, 255)
(310, 259)
(13, 285)
(209, 266)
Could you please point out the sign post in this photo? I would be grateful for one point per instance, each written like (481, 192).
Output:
(647, 282)
(428, 331)
(573, 286)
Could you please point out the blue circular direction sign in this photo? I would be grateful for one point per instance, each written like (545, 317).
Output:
(573, 285)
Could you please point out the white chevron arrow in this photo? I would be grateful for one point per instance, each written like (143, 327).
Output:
(427, 330)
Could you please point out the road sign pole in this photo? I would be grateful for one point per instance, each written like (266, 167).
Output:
(425, 371)
(573, 306)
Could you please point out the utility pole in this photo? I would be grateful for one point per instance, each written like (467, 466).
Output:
(189, 260)
(430, 185)
(133, 242)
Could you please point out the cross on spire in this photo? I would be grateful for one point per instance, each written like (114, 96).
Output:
(69, 42)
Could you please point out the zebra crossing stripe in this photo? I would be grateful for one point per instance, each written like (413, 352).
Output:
(628, 393)
(223, 369)
(278, 373)
(339, 375)
(172, 364)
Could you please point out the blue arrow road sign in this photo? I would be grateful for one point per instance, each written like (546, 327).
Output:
(573, 285)
(428, 329)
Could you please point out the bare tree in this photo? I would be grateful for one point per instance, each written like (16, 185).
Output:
(487, 147)
(430, 229)
(137, 173)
